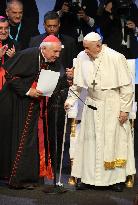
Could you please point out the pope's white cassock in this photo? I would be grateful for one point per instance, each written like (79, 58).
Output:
(104, 153)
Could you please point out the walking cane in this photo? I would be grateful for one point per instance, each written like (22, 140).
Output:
(58, 187)
(62, 153)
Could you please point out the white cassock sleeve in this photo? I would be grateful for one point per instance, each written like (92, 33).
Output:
(126, 96)
(72, 98)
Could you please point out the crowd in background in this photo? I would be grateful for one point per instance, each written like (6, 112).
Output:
(116, 21)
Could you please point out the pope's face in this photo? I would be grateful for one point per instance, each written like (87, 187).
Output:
(51, 53)
(4, 30)
(92, 48)
(15, 13)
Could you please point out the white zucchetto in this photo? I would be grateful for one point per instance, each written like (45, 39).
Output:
(92, 37)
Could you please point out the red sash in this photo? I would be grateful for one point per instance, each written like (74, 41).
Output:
(45, 171)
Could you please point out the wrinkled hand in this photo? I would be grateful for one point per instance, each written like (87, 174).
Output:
(123, 117)
(11, 52)
(70, 74)
(131, 25)
(34, 93)
(67, 106)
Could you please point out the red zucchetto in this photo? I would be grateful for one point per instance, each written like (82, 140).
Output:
(51, 38)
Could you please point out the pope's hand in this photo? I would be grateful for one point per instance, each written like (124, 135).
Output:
(123, 117)
(34, 93)
(67, 106)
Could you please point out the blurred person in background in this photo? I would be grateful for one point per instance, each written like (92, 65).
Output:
(21, 29)
(7, 45)
(118, 22)
(80, 14)
(31, 14)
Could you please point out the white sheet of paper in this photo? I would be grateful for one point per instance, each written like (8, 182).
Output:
(47, 82)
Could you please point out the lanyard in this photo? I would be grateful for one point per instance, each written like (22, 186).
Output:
(17, 35)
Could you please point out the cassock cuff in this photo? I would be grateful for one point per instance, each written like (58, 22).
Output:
(28, 92)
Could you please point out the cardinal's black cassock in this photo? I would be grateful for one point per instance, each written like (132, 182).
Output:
(22, 155)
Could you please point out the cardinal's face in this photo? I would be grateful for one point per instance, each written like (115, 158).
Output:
(51, 52)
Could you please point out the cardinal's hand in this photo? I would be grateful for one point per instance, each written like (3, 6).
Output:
(35, 93)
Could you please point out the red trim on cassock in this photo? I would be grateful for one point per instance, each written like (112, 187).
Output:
(34, 85)
(44, 170)
(2, 78)
(21, 144)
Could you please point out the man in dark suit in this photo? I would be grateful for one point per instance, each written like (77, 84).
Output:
(32, 14)
(52, 25)
(56, 104)
(21, 29)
